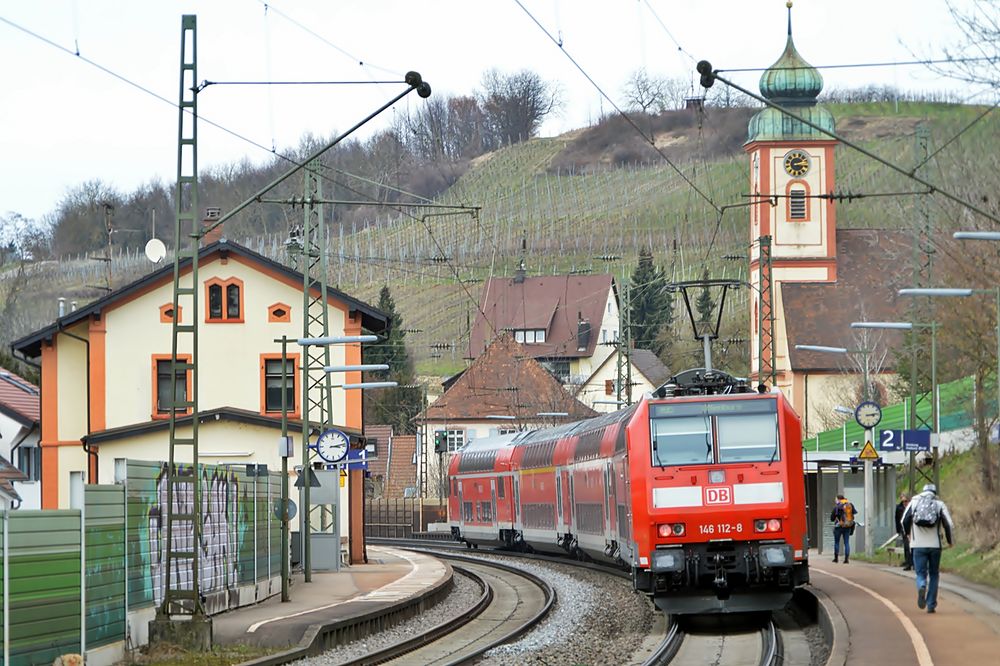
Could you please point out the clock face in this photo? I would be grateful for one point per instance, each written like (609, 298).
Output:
(332, 446)
(796, 163)
(868, 414)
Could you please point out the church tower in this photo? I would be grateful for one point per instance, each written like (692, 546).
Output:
(790, 164)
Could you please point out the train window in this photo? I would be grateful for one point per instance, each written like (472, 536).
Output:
(685, 440)
(748, 437)
(500, 488)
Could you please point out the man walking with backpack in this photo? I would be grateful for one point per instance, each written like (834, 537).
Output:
(842, 517)
(922, 521)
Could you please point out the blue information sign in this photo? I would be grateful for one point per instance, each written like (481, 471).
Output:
(905, 440)
(357, 459)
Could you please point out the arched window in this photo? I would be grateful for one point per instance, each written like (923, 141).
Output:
(798, 208)
(224, 300)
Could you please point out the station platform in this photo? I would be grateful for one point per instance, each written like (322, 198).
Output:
(391, 578)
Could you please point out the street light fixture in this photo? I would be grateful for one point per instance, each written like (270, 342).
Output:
(869, 436)
(843, 410)
(964, 293)
(977, 235)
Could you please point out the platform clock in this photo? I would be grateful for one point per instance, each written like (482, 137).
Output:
(868, 414)
(332, 446)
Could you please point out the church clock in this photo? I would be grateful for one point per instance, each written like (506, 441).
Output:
(797, 163)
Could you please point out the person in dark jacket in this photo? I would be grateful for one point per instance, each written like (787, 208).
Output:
(925, 542)
(904, 501)
(842, 517)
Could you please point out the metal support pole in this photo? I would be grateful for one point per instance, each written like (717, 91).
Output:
(869, 501)
(284, 469)
(706, 343)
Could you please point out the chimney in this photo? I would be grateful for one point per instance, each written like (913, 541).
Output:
(62, 306)
(72, 306)
(212, 213)
(519, 274)
(582, 333)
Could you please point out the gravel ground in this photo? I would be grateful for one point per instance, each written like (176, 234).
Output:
(819, 649)
(463, 595)
(597, 619)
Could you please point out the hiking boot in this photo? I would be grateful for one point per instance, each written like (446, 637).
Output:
(846, 561)
(922, 598)
(835, 560)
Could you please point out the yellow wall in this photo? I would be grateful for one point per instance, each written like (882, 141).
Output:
(229, 359)
(72, 383)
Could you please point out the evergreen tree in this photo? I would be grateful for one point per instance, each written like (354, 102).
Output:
(395, 406)
(650, 304)
(705, 305)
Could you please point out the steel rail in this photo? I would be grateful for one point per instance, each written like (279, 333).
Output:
(434, 633)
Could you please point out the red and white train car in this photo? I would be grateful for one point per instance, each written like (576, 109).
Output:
(701, 496)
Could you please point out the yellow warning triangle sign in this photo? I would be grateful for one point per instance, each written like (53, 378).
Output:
(868, 453)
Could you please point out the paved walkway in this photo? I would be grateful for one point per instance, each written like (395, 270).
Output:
(391, 575)
(886, 628)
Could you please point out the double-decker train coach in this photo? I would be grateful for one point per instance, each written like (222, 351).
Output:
(699, 491)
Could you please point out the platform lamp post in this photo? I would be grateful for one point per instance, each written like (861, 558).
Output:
(962, 293)
(909, 326)
(356, 386)
(869, 436)
(305, 517)
(987, 236)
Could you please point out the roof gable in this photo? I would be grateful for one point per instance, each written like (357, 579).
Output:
(19, 398)
(372, 318)
(555, 303)
(505, 381)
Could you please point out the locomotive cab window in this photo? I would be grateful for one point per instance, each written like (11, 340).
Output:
(694, 433)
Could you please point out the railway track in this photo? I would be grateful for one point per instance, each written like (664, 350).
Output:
(757, 640)
(512, 602)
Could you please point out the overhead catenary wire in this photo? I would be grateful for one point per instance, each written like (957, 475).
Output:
(625, 116)
(939, 61)
(705, 69)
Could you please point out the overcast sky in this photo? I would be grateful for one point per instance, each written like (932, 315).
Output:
(65, 122)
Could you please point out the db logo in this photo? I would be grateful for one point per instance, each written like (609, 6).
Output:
(719, 495)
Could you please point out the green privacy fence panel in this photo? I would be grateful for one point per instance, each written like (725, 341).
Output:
(235, 506)
(43, 585)
(104, 538)
(956, 402)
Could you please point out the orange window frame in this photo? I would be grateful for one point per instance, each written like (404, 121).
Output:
(167, 319)
(294, 412)
(788, 201)
(185, 358)
(224, 285)
(285, 318)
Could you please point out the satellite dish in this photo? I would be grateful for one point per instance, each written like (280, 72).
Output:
(155, 250)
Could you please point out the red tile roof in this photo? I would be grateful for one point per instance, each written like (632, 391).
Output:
(504, 380)
(395, 454)
(19, 398)
(554, 303)
(9, 474)
(872, 264)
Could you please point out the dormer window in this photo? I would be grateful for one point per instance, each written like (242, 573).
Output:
(529, 336)
(225, 301)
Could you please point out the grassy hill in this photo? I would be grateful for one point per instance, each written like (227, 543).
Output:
(588, 201)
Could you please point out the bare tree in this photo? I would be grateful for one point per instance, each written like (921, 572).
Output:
(516, 104)
(645, 93)
(979, 24)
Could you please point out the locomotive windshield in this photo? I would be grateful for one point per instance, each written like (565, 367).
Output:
(693, 433)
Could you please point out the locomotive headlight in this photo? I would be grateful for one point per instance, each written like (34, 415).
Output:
(767, 525)
(665, 530)
(717, 476)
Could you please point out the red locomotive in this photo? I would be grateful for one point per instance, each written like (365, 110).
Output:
(698, 489)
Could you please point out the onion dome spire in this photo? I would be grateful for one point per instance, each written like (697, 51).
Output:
(791, 82)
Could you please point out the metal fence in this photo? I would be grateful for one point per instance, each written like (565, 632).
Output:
(70, 578)
(400, 518)
(956, 409)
